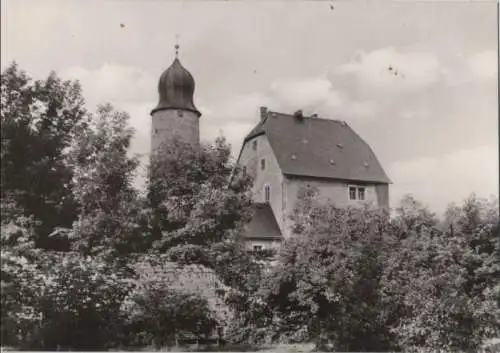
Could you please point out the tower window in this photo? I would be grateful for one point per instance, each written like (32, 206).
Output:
(352, 193)
(263, 163)
(267, 193)
(254, 145)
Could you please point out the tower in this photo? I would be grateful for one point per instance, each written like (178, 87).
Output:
(175, 116)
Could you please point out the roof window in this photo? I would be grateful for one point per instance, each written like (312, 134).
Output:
(294, 157)
(339, 145)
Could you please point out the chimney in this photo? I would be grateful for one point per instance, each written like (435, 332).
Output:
(263, 113)
(298, 115)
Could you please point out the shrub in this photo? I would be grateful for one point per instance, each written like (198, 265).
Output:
(63, 301)
(160, 314)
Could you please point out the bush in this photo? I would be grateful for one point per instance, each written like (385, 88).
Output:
(159, 315)
(64, 301)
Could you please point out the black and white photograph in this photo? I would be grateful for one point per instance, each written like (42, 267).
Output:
(250, 176)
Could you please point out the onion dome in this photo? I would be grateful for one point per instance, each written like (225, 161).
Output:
(176, 89)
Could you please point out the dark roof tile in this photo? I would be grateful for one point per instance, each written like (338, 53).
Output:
(334, 150)
(263, 224)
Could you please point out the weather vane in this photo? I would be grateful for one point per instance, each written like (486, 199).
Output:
(176, 45)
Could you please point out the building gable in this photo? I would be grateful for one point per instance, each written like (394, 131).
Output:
(322, 148)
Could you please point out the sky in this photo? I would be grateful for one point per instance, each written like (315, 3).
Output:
(417, 80)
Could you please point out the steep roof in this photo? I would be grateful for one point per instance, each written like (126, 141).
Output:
(322, 148)
(263, 224)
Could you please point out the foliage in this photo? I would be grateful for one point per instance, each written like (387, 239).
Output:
(39, 120)
(160, 314)
(19, 277)
(59, 300)
(325, 287)
(191, 198)
(109, 207)
(199, 203)
(442, 284)
(80, 303)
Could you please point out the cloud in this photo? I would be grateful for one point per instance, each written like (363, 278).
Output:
(388, 68)
(452, 177)
(113, 82)
(317, 95)
(484, 65)
(305, 93)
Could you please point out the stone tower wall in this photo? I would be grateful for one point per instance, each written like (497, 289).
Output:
(167, 124)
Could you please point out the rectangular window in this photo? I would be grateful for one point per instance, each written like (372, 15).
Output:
(361, 193)
(254, 145)
(257, 247)
(352, 193)
(262, 164)
(267, 193)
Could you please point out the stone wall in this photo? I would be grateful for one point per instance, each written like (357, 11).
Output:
(190, 279)
(167, 124)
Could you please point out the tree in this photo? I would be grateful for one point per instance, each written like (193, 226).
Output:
(193, 200)
(412, 217)
(199, 203)
(39, 120)
(442, 283)
(109, 207)
(162, 314)
(326, 286)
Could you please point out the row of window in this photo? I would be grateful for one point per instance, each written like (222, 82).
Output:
(356, 193)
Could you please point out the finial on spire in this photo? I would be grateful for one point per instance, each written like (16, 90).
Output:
(176, 45)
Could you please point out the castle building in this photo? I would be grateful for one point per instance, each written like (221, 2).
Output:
(175, 115)
(284, 153)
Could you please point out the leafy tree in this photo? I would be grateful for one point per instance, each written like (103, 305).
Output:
(79, 303)
(442, 283)
(412, 217)
(191, 197)
(19, 277)
(326, 286)
(109, 207)
(199, 204)
(39, 120)
(161, 315)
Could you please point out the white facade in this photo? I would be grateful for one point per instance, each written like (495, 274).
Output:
(284, 190)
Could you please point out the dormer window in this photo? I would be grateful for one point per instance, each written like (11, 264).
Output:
(267, 193)
(263, 163)
(254, 145)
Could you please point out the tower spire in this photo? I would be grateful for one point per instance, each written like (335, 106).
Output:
(176, 46)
